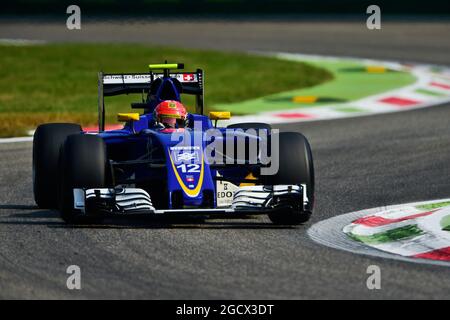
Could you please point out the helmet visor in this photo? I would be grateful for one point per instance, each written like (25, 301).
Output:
(172, 122)
(169, 122)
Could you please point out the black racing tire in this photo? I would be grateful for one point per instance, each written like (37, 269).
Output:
(250, 125)
(47, 140)
(295, 167)
(83, 164)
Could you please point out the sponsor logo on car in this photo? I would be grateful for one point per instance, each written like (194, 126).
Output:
(188, 77)
(186, 157)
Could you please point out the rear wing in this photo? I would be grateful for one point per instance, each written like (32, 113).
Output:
(110, 84)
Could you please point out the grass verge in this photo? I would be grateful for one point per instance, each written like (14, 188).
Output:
(58, 82)
(445, 223)
(351, 82)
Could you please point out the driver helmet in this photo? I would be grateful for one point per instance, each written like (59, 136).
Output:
(171, 114)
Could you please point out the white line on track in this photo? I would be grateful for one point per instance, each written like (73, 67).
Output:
(16, 139)
(21, 42)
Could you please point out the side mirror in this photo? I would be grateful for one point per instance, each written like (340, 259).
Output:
(220, 115)
(127, 117)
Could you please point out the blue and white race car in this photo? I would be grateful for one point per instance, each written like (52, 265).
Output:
(190, 166)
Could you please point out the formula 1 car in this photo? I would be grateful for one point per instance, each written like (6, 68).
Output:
(143, 169)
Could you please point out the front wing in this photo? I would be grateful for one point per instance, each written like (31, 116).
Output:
(246, 200)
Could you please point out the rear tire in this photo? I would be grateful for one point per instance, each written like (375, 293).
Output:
(83, 165)
(295, 167)
(250, 125)
(47, 140)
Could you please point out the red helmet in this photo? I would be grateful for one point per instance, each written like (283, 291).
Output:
(171, 113)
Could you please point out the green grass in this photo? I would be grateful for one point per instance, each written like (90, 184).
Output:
(389, 236)
(351, 82)
(445, 223)
(433, 206)
(58, 82)
(430, 92)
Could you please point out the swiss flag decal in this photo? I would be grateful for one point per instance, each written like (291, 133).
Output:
(188, 77)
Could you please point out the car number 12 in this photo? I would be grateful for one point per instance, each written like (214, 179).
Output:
(189, 168)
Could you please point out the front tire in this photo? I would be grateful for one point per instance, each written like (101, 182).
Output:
(48, 139)
(83, 165)
(295, 167)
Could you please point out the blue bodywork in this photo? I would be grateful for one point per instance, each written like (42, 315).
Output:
(149, 157)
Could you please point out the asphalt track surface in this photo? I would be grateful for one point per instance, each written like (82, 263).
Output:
(360, 163)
